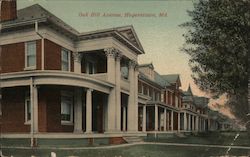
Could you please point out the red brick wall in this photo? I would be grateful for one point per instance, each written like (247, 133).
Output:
(42, 110)
(13, 110)
(52, 56)
(8, 10)
(38, 54)
(53, 106)
(169, 97)
(116, 140)
(175, 121)
(151, 118)
(49, 110)
(13, 57)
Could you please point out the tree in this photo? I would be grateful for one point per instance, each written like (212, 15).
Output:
(218, 43)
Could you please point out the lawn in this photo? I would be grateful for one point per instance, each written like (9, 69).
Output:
(154, 150)
(133, 151)
(215, 138)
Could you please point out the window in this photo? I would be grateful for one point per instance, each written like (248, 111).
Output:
(65, 59)
(91, 67)
(66, 107)
(30, 54)
(27, 109)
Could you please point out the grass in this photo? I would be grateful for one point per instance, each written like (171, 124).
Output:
(214, 138)
(133, 151)
(153, 150)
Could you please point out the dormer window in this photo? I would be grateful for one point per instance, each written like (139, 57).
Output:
(65, 60)
(30, 55)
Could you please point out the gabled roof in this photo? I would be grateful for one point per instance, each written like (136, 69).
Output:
(172, 78)
(129, 33)
(161, 80)
(158, 79)
(36, 13)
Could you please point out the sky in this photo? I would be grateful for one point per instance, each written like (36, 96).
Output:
(161, 37)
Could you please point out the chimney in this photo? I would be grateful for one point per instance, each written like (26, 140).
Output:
(8, 10)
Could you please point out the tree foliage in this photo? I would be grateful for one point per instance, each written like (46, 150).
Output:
(218, 43)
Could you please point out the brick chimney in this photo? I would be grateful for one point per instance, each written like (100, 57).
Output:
(8, 10)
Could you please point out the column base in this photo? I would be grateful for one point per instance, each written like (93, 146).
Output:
(88, 132)
(113, 131)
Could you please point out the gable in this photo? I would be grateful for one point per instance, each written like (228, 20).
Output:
(129, 33)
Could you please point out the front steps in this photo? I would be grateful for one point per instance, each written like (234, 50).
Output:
(132, 139)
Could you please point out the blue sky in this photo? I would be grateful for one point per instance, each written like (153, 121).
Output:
(161, 37)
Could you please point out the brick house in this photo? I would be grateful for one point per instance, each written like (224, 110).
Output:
(55, 79)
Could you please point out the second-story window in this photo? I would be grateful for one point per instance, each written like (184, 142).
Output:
(65, 60)
(91, 67)
(30, 54)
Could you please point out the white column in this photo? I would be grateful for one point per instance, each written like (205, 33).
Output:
(77, 62)
(193, 124)
(110, 53)
(189, 122)
(35, 101)
(118, 90)
(197, 123)
(131, 99)
(111, 107)
(165, 120)
(172, 120)
(179, 121)
(156, 117)
(124, 118)
(136, 72)
(42, 53)
(144, 118)
(89, 111)
(78, 111)
(185, 121)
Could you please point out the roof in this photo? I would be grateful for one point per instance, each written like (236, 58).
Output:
(146, 65)
(36, 13)
(157, 78)
(187, 95)
(172, 78)
(160, 80)
(201, 101)
(157, 81)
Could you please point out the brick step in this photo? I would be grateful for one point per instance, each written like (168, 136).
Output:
(132, 139)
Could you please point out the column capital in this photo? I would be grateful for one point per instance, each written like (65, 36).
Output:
(89, 89)
(112, 52)
(118, 55)
(133, 64)
(77, 56)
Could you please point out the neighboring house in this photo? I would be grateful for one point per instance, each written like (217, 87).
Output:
(166, 107)
(83, 85)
